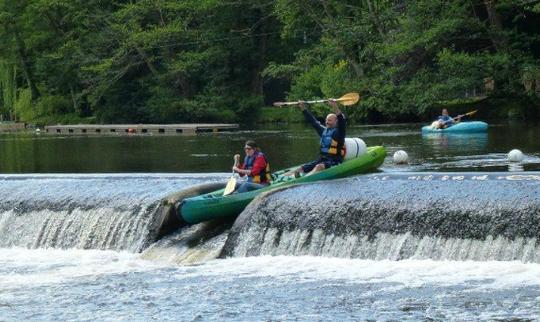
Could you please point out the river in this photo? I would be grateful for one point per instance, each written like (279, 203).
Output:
(75, 244)
(284, 145)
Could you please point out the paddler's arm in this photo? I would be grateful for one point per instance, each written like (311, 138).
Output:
(241, 171)
(310, 118)
(258, 166)
(341, 121)
(448, 121)
(335, 106)
(238, 167)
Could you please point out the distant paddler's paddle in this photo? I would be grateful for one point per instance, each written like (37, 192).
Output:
(231, 184)
(466, 114)
(345, 100)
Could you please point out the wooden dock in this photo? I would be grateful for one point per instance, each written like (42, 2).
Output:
(11, 126)
(138, 129)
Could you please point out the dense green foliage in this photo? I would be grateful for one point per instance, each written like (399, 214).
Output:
(210, 60)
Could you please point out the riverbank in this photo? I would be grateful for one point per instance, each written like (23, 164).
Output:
(494, 110)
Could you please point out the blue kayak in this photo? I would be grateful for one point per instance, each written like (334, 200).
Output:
(461, 127)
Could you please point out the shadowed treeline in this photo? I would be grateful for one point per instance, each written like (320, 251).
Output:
(174, 61)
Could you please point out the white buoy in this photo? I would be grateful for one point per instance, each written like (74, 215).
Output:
(38, 130)
(401, 157)
(354, 147)
(515, 156)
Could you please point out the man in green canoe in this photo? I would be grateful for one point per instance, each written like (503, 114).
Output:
(332, 140)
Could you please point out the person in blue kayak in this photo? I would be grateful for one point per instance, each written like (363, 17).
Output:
(445, 120)
(331, 142)
(255, 167)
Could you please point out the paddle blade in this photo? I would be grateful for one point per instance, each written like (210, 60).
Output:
(349, 99)
(229, 188)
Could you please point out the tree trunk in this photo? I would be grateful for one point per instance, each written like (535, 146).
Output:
(185, 87)
(74, 99)
(21, 51)
(351, 58)
(496, 35)
(375, 19)
(148, 63)
(257, 81)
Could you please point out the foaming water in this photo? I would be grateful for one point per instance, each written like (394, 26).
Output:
(88, 211)
(191, 245)
(384, 246)
(453, 216)
(407, 272)
(105, 285)
(45, 267)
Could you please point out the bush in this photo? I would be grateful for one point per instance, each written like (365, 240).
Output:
(53, 105)
(279, 114)
(23, 105)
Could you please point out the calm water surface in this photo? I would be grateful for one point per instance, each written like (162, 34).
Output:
(284, 145)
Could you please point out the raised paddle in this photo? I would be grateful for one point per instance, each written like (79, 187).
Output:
(231, 184)
(345, 100)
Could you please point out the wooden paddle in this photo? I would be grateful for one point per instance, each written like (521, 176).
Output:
(346, 100)
(231, 184)
(466, 114)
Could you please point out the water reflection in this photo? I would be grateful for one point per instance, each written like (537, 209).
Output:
(456, 141)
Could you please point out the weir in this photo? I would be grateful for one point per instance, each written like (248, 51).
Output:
(440, 216)
(384, 216)
(93, 212)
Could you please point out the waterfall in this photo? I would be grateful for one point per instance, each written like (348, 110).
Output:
(442, 216)
(89, 212)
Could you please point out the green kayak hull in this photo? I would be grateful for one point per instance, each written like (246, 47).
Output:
(214, 205)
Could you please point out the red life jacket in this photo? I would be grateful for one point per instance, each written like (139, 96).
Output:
(264, 175)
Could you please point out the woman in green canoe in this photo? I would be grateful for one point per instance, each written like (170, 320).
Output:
(255, 167)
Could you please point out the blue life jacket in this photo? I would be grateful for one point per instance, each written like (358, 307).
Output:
(446, 120)
(329, 146)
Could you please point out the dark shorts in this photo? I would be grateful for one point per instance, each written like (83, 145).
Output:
(328, 163)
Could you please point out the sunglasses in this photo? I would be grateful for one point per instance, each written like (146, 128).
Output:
(248, 148)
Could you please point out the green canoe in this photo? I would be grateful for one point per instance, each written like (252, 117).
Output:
(214, 205)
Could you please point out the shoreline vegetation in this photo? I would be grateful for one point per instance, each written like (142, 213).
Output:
(488, 109)
(71, 62)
